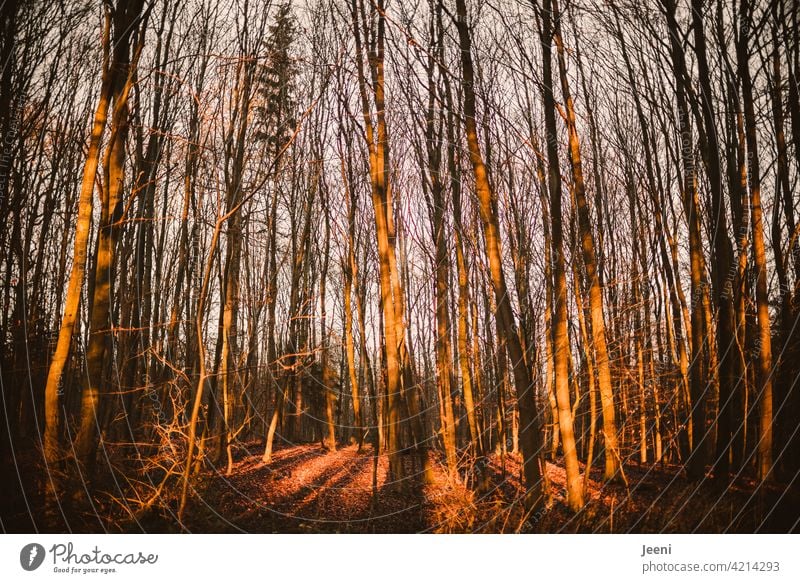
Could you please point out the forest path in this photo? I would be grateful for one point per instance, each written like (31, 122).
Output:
(307, 489)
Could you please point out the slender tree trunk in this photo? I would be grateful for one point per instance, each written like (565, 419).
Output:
(377, 142)
(122, 75)
(764, 339)
(327, 381)
(272, 349)
(350, 273)
(597, 317)
(530, 432)
(559, 317)
(697, 388)
(83, 222)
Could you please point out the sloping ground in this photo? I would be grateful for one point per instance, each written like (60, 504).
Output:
(307, 489)
(655, 500)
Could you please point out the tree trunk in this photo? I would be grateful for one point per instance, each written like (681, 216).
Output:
(596, 315)
(83, 222)
(764, 339)
(122, 74)
(559, 317)
(530, 436)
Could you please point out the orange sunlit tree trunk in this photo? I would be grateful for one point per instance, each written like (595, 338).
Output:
(530, 431)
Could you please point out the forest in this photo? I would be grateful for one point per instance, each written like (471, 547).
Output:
(395, 266)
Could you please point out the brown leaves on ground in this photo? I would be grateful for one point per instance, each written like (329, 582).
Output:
(309, 489)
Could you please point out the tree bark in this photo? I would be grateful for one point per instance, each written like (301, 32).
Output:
(530, 436)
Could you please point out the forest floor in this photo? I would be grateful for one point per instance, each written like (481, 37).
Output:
(307, 489)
